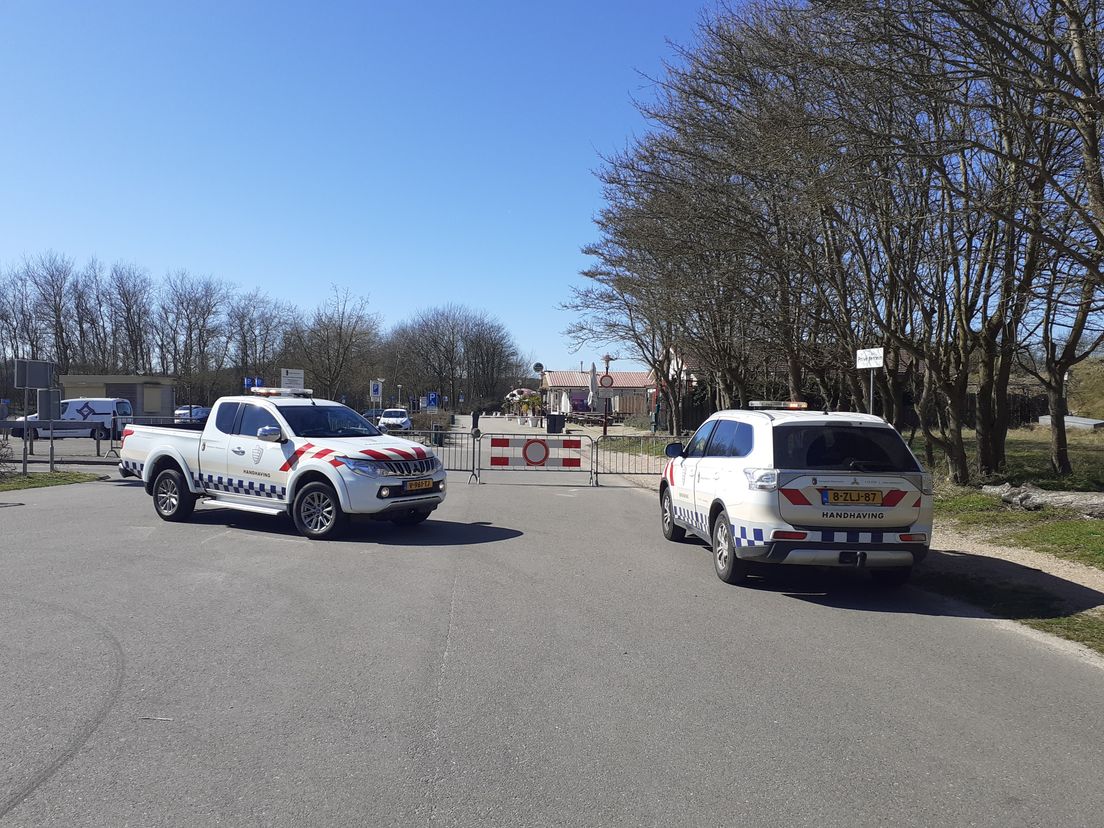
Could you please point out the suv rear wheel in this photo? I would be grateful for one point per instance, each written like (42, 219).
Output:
(729, 568)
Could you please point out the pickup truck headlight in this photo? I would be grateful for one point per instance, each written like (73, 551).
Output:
(358, 465)
(438, 464)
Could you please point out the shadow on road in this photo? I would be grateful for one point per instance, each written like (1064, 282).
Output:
(981, 586)
(431, 533)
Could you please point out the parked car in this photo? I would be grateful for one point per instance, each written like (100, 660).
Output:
(281, 451)
(395, 419)
(799, 487)
(372, 415)
(83, 417)
(191, 413)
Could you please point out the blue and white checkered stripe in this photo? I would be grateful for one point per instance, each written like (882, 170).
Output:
(757, 536)
(691, 518)
(218, 483)
(133, 466)
(854, 536)
(741, 535)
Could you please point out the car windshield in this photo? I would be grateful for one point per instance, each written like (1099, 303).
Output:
(327, 421)
(395, 413)
(842, 448)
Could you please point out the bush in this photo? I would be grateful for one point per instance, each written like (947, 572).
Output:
(6, 454)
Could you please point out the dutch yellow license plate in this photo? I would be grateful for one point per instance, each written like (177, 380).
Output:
(418, 485)
(855, 497)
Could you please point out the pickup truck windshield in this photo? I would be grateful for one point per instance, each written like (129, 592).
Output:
(327, 421)
(841, 448)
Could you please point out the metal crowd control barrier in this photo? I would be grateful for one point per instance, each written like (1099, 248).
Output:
(552, 453)
(457, 449)
(628, 455)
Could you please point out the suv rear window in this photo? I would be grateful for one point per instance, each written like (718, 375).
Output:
(842, 448)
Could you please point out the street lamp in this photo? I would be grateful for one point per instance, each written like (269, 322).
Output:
(402, 404)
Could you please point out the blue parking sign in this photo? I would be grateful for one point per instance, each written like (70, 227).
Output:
(247, 382)
(258, 382)
(431, 399)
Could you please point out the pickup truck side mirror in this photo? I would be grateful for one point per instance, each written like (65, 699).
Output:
(270, 434)
(674, 450)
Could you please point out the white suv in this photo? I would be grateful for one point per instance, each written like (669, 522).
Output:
(799, 487)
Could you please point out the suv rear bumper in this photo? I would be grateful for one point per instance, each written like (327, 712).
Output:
(848, 555)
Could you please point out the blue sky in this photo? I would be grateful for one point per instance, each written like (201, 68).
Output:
(418, 153)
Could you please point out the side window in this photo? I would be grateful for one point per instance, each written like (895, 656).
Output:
(743, 441)
(720, 445)
(701, 437)
(64, 409)
(253, 418)
(731, 439)
(224, 420)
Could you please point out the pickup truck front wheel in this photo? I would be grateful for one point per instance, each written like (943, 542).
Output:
(317, 512)
(171, 499)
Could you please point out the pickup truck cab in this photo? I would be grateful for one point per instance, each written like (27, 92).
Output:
(282, 451)
(795, 487)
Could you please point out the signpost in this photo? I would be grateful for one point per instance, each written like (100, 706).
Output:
(36, 374)
(376, 392)
(292, 378)
(871, 358)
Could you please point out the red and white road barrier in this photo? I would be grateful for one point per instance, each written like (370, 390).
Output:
(536, 452)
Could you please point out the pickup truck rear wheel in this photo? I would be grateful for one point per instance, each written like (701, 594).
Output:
(729, 568)
(671, 530)
(317, 512)
(171, 499)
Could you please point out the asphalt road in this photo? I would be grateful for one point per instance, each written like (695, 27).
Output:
(535, 655)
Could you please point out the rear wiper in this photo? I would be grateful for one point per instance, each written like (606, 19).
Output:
(867, 466)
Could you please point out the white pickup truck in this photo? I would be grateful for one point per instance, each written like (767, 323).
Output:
(284, 451)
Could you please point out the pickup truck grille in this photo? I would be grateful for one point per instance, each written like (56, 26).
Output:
(407, 468)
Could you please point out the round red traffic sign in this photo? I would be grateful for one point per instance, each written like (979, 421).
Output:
(606, 381)
(535, 452)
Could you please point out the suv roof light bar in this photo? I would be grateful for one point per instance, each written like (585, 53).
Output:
(779, 405)
(282, 392)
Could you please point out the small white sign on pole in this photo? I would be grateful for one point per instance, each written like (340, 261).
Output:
(291, 378)
(870, 358)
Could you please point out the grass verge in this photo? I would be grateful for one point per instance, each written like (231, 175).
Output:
(1027, 455)
(1057, 532)
(39, 480)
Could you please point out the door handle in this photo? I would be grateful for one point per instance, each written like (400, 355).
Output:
(238, 451)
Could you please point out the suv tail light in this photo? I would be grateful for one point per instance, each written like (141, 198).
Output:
(926, 486)
(914, 537)
(781, 534)
(765, 480)
(126, 433)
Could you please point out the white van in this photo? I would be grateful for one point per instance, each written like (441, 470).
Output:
(85, 417)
